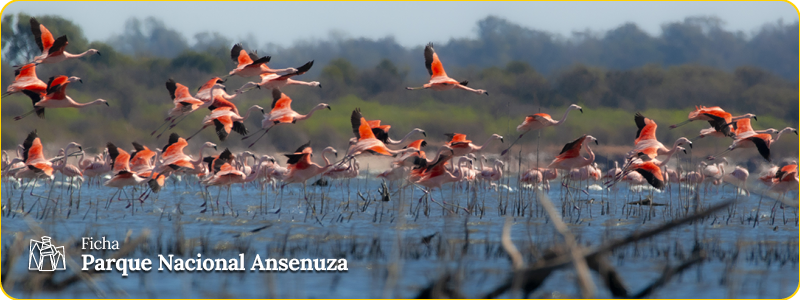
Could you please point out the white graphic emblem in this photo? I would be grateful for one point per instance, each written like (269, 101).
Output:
(45, 257)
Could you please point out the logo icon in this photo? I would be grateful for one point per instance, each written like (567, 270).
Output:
(45, 257)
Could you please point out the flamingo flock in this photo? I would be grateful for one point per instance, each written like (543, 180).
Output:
(452, 161)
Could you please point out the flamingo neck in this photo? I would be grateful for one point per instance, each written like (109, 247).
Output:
(479, 148)
(564, 118)
(87, 52)
(95, 102)
(158, 164)
(403, 140)
(591, 154)
(780, 133)
(310, 113)
(199, 159)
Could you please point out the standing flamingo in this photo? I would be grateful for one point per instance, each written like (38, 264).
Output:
(282, 113)
(55, 97)
(53, 49)
(738, 178)
(539, 121)
(25, 79)
(439, 80)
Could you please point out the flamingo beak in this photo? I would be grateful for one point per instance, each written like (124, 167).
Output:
(320, 85)
(215, 147)
(426, 135)
(596, 142)
(329, 107)
(262, 112)
(501, 140)
(108, 104)
(581, 109)
(98, 53)
(754, 118)
(81, 80)
(684, 151)
(335, 154)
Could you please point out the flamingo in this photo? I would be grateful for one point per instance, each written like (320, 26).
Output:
(224, 120)
(213, 95)
(25, 79)
(539, 121)
(282, 113)
(275, 81)
(493, 174)
(786, 179)
(53, 49)
(120, 167)
(716, 116)
(439, 80)
(183, 101)
(403, 163)
(570, 156)
(67, 169)
(301, 168)
(382, 133)
(768, 174)
(647, 142)
(644, 172)
(738, 178)
(344, 171)
(761, 141)
(249, 64)
(366, 140)
(462, 146)
(435, 175)
(33, 157)
(173, 156)
(55, 97)
(224, 175)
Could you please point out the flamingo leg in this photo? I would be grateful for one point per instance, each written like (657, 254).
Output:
(680, 124)
(167, 121)
(201, 129)
(512, 144)
(262, 135)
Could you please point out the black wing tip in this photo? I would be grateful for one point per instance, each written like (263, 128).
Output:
(137, 146)
(303, 147)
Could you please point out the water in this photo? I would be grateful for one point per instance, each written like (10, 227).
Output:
(384, 241)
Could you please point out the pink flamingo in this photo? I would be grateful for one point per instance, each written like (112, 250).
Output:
(301, 168)
(276, 81)
(439, 80)
(53, 49)
(539, 121)
(56, 97)
(282, 113)
(462, 146)
(762, 142)
(570, 156)
(25, 79)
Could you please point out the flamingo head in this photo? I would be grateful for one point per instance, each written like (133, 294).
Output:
(680, 148)
(93, 52)
(74, 78)
(420, 131)
(210, 145)
(330, 149)
(590, 138)
(315, 83)
(482, 92)
(74, 144)
(324, 105)
(683, 141)
(498, 137)
(575, 106)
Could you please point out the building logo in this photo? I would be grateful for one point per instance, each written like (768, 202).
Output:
(45, 257)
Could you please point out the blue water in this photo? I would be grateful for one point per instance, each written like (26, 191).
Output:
(382, 241)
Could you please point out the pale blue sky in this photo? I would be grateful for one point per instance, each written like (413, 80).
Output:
(411, 23)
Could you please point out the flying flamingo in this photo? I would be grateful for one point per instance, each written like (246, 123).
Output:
(224, 175)
(140, 158)
(275, 81)
(647, 142)
(366, 140)
(716, 116)
(33, 157)
(183, 101)
(539, 121)
(282, 113)
(403, 163)
(173, 156)
(761, 141)
(768, 174)
(570, 156)
(382, 133)
(436, 175)
(439, 80)
(53, 49)
(224, 120)
(301, 168)
(462, 146)
(56, 97)
(25, 79)
(249, 64)
(786, 179)
(650, 172)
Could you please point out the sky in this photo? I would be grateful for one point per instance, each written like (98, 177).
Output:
(410, 23)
